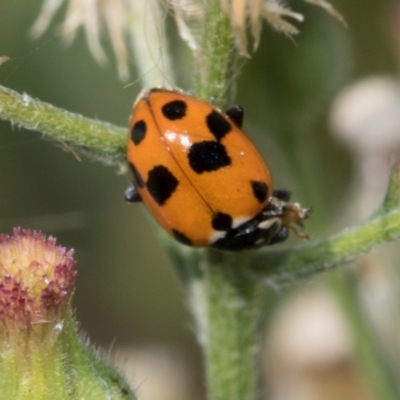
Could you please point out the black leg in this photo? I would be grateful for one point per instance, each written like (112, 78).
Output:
(280, 236)
(132, 195)
(236, 114)
(282, 194)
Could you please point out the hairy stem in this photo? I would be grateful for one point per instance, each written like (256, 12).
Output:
(232, 319)
(379, 377)
(101, 140)
(304, 261)
(224, 305)
(215, 56)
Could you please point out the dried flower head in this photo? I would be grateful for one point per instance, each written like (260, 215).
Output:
(92, 15)
(36, 279)
(138, 24)
(128, 22)
(244, 14)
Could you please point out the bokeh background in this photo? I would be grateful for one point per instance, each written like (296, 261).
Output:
(128, 299)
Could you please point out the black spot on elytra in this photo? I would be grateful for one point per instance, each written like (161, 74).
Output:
(161, 184)
(136, 175)
(174, 109)
(181, 237)
(208, 156)
(236, 114)
(222, 222)
(260, 190)
(217, 124)
(138, 131)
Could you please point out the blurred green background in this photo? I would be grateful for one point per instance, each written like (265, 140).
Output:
(127, 293)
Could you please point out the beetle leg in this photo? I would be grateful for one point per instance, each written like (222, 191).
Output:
(132, 195)
(236, 114)
(282, 194)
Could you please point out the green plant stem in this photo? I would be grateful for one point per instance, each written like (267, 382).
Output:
(215, 56)
(56, 364)
(232, 319)
(90, 374)
(224, 304)
(377, 370)
(101, 140)
(303, 261)
(371, 359)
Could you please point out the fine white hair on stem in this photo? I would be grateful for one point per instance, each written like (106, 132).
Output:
(148, 43)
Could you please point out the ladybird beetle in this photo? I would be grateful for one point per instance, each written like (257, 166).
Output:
(201, 177)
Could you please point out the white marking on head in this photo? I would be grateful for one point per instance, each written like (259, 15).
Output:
(216, 236)
(240, 221)
(269, 222)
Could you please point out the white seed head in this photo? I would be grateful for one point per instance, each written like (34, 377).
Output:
(366, 115)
